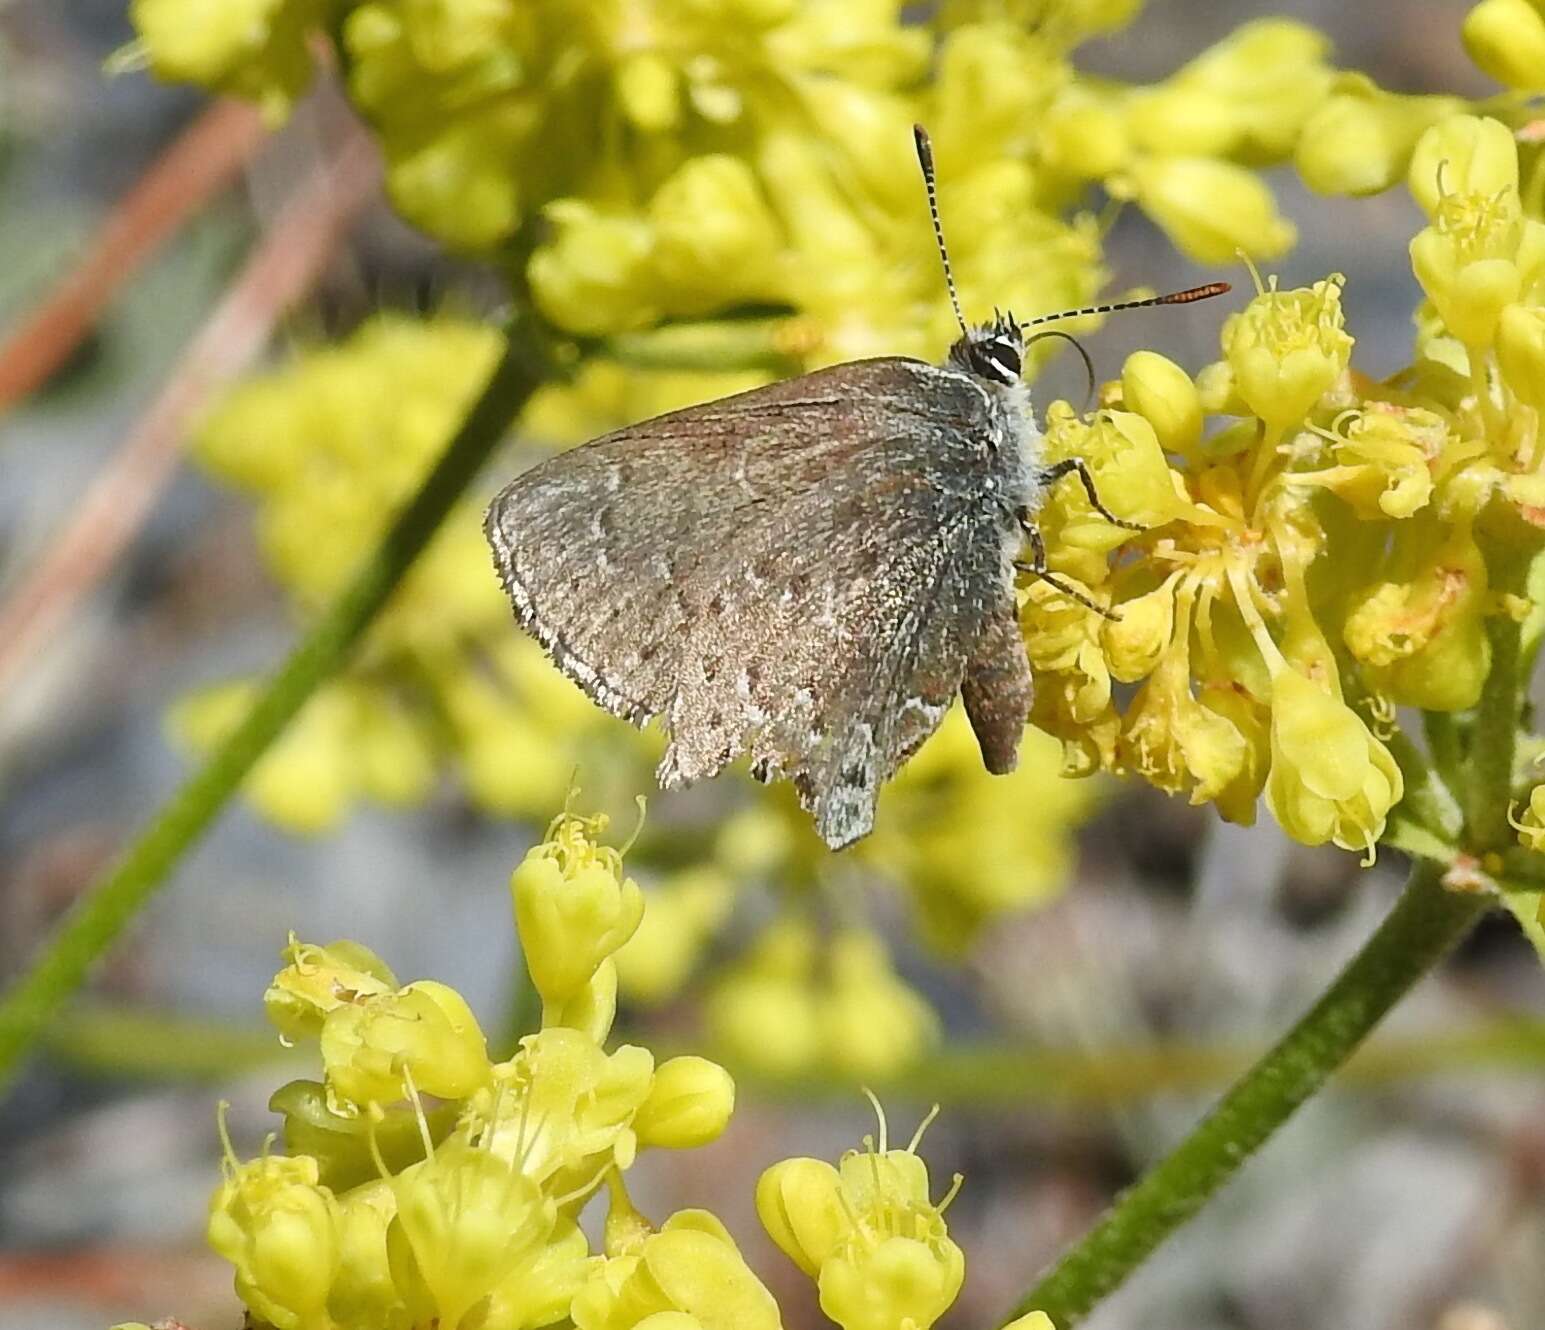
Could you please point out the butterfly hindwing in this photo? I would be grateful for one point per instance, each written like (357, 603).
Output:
(801, 571)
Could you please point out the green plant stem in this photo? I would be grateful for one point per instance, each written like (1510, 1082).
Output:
(1494, 741)
(110, 903)
(1425, 923)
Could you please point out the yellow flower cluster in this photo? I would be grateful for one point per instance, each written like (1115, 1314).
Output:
(1331, 548)
(690, 157)
(428, 1185)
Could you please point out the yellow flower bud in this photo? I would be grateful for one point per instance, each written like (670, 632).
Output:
(592, 1010)
(1506, 38)
(426, 1031)
(1179, 119)
(1423, 638)
(1464, 154)
(1083, 136)
(573, 907)
(993, 81)
(1330, 778)
(798, 1203)
(1361, 138)
(1219, 394)
(1131, 476)
(1287, 348)
(1162, 394)
(464, 1218)
(596, 275)
(715, 239)
(649, 92)
(875, 1024)
(457, 184)
(764, 1011)
(689, 1104)
(271, 1220)
(1031, 1321)
(1521, 351)
(1211, 209)
(316, 979)
(1135, 641)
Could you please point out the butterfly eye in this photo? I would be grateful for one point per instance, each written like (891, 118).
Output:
(998, 359)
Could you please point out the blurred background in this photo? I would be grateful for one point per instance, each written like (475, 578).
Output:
(1083, 1029)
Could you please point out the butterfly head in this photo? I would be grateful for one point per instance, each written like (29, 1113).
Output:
(993, 351)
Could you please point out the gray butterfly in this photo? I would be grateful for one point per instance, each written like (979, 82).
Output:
(808, 572)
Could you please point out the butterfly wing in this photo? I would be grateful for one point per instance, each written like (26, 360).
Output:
(801, 571)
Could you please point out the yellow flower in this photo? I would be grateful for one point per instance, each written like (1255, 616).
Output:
(1463, 154)
(317, 980)
(1480, 254)
(1286, 349)
(464, 1218)
(424, 1033)
(573, 907)
(585, 1098)
(867, 1232)
(1384, 460)
(1176, 743)
(1330, 778)
(279, 1228)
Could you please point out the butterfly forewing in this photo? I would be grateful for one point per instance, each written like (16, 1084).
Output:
(800, 572)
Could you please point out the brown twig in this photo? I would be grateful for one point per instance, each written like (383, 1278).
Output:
(198, 164)
(283, 267)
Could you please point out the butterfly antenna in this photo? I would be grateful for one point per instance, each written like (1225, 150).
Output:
(925, 160)
(1185, 297)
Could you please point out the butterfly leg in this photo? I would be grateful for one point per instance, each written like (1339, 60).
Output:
(1057, 470)
(1037, 568)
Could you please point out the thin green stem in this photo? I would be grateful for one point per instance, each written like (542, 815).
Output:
(1494, 741)
(108, 906)
(1446, 745)
(1425, 923)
